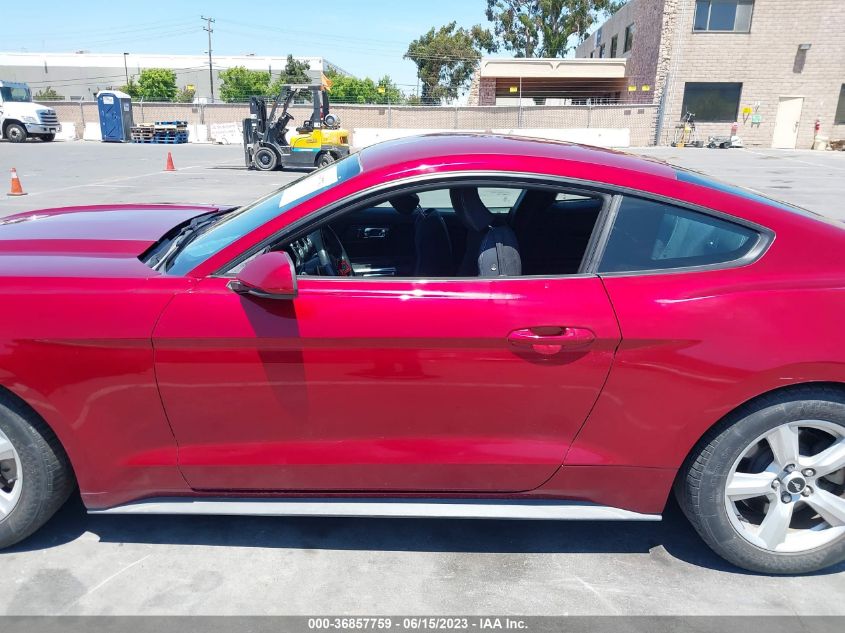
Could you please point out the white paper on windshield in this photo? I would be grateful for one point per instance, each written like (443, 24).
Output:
(321, 179)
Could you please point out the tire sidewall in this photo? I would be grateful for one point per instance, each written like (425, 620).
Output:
(21, 135)
(35, 477)
(261, 166)
(717, 528)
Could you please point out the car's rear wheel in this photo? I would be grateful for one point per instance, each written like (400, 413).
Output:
(35, 475)
(766, 488)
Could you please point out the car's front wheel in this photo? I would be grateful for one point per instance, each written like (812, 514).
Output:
(35, 475)
(766, 488)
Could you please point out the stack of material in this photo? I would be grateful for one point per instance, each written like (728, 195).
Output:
(169, 132)
(838, 145)
(142, 133)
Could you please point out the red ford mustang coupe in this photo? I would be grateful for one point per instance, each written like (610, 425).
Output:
(444, 326)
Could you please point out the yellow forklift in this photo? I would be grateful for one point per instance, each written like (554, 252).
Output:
(318, 142)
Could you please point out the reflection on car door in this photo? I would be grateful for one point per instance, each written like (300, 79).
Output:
(383, 385)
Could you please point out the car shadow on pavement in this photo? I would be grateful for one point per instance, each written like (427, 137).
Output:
(672, 538)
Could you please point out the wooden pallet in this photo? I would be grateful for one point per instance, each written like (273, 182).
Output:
(141, 132)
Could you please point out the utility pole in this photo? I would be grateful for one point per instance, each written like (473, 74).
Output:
(210, 29)
(125, 68)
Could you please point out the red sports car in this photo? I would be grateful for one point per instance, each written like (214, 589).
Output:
(443, 326)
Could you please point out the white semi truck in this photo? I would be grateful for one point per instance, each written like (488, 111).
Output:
(20, 118)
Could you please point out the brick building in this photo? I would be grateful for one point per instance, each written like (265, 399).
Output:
(772, 66)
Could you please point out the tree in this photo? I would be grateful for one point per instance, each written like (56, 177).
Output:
(346, 89)
(239, 84)
(186, 95)
(295, 72)
(131, 88)
(47, 94)
(154, 84)
(542, 28)
(446, 59)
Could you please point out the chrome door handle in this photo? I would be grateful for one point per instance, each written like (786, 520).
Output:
(373, 233)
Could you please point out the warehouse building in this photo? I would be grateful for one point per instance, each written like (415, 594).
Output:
(79, 76)
(774, 67)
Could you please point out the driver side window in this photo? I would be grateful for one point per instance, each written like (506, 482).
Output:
(459, 231)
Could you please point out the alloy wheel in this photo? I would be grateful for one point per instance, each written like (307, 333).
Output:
(11, 476)
(786, 491)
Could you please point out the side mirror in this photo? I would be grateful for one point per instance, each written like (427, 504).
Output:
(268, 276)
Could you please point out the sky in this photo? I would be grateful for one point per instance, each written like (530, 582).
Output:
(364, 37)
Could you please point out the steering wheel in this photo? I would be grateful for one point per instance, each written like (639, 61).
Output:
(334, 260)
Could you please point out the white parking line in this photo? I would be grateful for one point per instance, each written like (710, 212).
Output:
(794, 159)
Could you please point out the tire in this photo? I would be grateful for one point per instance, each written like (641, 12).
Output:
(45, 478)
(47, 138)
(324, 159)
(15, 133)
(744, 449)
(265, 159)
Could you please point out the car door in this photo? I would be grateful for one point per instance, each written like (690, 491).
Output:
(383, 384)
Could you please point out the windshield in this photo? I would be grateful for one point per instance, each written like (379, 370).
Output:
(15, 94)
(247, 219)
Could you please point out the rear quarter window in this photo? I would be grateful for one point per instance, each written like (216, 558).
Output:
(651, 235)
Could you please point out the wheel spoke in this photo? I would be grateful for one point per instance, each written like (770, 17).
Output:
(829, 460)
(829, 506)
(775, 525)
(749, 485)
(784, 443)
(6, 450)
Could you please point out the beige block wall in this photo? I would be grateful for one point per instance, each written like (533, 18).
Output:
(638, 118)
(763, 61)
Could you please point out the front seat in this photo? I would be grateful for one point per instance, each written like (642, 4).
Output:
(433, 246)
(492, 251)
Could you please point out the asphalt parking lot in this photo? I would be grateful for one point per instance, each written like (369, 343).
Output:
(110, 565)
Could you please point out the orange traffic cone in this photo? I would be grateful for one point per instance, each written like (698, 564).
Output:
(169, 166)
(17, 190)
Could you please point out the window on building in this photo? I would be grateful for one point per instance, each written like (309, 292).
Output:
(712, 102)
(839, 119)
(650, 235)
(723, 15)
(614, 45)
(601, 51)
(629, 38)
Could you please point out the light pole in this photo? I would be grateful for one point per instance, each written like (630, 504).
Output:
(125, 68)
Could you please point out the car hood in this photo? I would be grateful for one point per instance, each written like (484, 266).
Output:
(70, 240)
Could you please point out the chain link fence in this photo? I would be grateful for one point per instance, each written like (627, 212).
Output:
(639, 119)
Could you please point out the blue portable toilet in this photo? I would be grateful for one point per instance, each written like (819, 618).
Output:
(116, 121)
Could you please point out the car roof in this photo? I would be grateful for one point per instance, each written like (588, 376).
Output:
(500, 152)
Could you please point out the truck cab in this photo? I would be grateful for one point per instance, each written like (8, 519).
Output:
(20, 118)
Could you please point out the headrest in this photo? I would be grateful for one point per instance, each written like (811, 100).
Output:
(405, 204)
(470, 209)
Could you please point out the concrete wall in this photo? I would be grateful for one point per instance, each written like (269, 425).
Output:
(637, 119)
